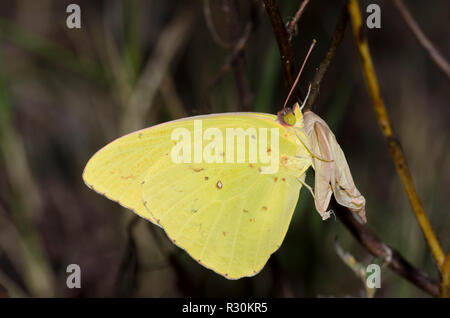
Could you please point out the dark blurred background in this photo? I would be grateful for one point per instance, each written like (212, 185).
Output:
(65, 93)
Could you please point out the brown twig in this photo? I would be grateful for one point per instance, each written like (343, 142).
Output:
(338, 35)
(232, 58)
(357, 268)
(240, 74)
(285, 47)
(293, 24)
(423, 40)
(386, 128)
(126, 277)
(172, 99)
(394, 260)
(211, 27)
(183, 280)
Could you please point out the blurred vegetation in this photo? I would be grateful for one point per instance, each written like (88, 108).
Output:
(64, 93)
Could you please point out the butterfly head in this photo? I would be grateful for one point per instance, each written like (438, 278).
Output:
(291, 117)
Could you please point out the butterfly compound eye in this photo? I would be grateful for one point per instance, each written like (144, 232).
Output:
(289, 119)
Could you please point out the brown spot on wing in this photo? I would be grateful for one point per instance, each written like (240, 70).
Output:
(264, 208)
(219, 185)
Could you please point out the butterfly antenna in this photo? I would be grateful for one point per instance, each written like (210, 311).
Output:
(299, 73)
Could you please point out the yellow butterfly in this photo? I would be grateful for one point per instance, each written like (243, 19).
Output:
(227, 205)
(227, 210)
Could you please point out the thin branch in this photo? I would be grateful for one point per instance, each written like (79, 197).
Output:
(423, 40)
(211, 27)
(338, 35)
(173, 101)
(237, 51)
(393, 259)
(242, 84)
(386, 128)
(183, 280)
(285, 47)
(240, 74)
(293, 24)
(126, 277)
(358, 269)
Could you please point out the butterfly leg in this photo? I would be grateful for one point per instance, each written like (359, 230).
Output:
(309, 150)
(306, 186)
(325, 214)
